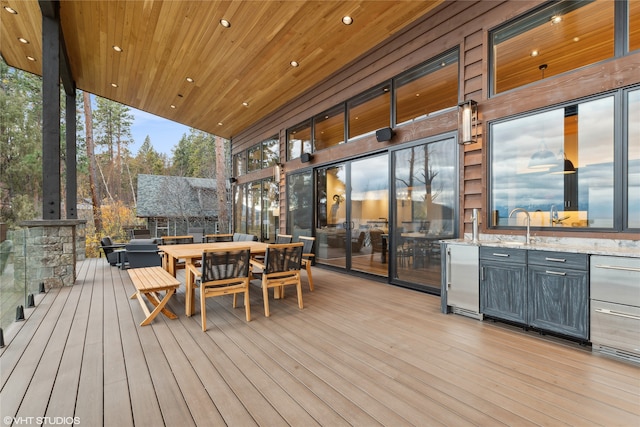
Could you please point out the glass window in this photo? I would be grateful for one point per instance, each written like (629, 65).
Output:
(299, 140)
(329, 128)
(254, 158)
(240, 208)
(633, 162)
(558, 165)
(370, 111)
(634, 25)
(254, 208)
(270, 152)
(563, 36)
(300, 204)
(427, 89)
(239, 163)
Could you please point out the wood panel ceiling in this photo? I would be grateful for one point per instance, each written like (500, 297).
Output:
(165, 42)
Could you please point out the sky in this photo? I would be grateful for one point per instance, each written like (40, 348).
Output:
(164, 134)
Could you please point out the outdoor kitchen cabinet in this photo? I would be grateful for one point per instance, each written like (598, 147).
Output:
(558, 293)
(503, 283)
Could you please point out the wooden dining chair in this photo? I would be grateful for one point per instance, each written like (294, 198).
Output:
(223, 272)
(308, 256)
(176, 240)
(212, 238)
(284, 238)
(281, 268)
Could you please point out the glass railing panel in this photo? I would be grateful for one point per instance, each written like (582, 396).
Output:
(13, 275)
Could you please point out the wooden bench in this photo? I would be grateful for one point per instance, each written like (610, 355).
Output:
(149, 282)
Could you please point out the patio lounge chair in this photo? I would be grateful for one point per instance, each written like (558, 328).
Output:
(145, 255)
(110, 249)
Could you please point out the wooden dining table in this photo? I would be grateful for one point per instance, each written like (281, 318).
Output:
(192, 252)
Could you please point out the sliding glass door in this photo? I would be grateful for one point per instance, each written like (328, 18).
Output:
(425, 180)
(352, 215)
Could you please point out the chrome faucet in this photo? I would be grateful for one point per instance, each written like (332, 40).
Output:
(553, 215)
(528, 222)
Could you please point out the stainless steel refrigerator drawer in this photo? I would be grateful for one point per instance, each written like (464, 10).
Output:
(615, 326)
(615, 279)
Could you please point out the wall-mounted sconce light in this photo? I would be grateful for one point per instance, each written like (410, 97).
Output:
(384, 134)
(278, 168)
(232, 180)
(306, 157)
(468, 122)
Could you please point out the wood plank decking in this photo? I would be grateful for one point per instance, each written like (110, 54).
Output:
(360, 353)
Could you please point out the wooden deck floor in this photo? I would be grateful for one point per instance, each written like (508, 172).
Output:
(360, 353)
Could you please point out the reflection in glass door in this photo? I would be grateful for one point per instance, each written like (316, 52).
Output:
(352, 215)
(425, 211)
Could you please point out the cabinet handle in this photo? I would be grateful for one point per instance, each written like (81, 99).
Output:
(482, 274)
(448, 268)
(555, 259)
(614, 267)
(556, 273)
(502, 255)
(616, 313)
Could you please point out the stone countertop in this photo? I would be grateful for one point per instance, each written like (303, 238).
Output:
(588, 246)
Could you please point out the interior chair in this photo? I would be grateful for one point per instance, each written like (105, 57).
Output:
(143, 255)
(377, 243)
(109, 248)
(223, 272)
(281, 268)
(308, 256)
(406, 253)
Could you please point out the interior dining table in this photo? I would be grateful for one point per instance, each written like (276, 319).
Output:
(192, 252)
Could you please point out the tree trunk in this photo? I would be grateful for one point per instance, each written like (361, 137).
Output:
(95, 200)
(221, 186)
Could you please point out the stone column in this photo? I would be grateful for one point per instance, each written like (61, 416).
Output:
(52, 250)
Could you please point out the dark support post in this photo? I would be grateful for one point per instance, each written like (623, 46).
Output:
(71, 200)
(51, 117)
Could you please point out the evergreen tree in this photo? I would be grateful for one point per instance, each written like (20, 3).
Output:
(20, 144)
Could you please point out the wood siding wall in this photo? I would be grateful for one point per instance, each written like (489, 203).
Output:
(462, 24)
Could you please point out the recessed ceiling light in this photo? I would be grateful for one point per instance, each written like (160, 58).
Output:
(23, 40)
(534, 53)
(189, 79)
(294, 63)
(347, 20)
(219, 123)
(117, 48)
(576, 39)
(114, 85)
(31, 58)
(556, 19)
(173, 106)
(246, 104)
(225, 23)
(11, 10)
